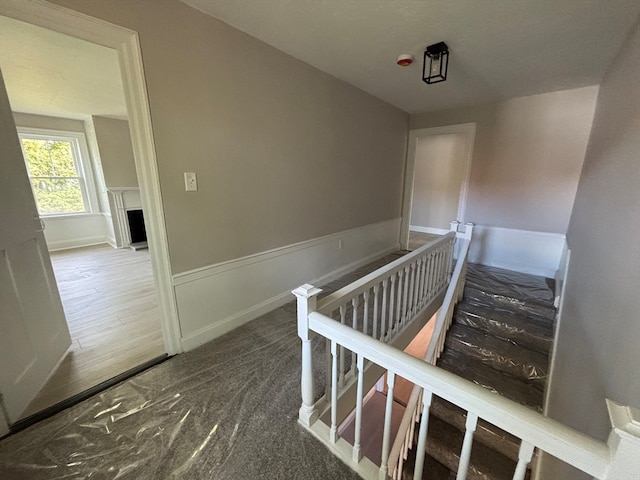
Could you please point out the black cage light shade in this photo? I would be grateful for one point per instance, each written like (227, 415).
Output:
(436, 62)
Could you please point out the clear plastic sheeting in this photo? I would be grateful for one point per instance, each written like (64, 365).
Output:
(491, 379)
(509, 284)
(535, 335)
(503, 356)
(514, 292)
(227, 410)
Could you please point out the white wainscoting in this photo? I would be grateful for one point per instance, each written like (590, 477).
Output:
(72, 231)
(526, 251)
(216, 299)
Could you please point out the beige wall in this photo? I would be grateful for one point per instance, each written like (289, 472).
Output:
(598, 340)
(283, 152)
(46, 122)
(116, 152)
(527, 157)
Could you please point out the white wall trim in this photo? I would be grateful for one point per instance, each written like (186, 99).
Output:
(215, 269)
(561, 279)
(76, 243)
(229, 294)
(126, 43)
(469, 129)
(565, 269)
(526, 251)
(435, 231)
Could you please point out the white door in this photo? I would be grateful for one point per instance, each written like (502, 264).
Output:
(33, 330)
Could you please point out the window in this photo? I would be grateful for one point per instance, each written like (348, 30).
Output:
(55, 168)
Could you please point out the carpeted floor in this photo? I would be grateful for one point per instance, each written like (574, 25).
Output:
(227, 410)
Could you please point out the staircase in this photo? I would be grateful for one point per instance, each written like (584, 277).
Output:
(500, 339)
(492, 368)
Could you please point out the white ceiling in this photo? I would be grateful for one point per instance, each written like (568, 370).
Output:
(499, 48)
(49, 73)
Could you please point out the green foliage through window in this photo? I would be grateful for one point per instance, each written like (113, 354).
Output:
(54, 176)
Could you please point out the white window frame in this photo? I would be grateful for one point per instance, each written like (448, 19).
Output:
(81, 159)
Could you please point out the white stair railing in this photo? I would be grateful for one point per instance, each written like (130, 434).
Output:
(618, 459)
(389, 305)
(359, 345)
(405, 440)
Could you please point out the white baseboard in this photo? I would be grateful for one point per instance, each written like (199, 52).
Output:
(537, 253)
(219, 298)
(436, 231)
(76, 243)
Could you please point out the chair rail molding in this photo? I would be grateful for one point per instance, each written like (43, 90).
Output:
(209, 307)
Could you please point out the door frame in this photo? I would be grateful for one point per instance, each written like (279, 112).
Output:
(469, 129)
(127, 45)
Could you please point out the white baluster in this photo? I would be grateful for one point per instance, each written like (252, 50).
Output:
(405, 295)
(343, 315)
(524, 457)
(365, 314)
(376, 289)
(386, 435)
(391, 306)
(402, 281)
(465, 453)
(415, 287)
(328, 359)
(333, 432)
(307, 300)
(412, 292)
(420, 284)
(383, 327)
(357, 455)
(431, 276)
(354, 325)
(422, 436)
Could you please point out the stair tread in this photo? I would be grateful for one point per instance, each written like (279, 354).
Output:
(501, 323)
(543, 312)
(486, 433)
(433, 469)
(444, 443)
(511, 284)
(502, 355)
(510, 387)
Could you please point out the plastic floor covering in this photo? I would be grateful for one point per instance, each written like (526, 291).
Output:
(227, 410)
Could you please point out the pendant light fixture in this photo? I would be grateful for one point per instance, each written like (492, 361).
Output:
(436, 62)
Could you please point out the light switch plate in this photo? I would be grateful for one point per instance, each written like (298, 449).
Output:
(190, 182)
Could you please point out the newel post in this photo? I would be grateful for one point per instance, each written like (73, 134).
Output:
(307, 298)
(624, 442)
(468, 230)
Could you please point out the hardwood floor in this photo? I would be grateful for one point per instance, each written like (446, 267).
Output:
(112, 311)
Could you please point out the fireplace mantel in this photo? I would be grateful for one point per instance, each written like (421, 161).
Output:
(122, 199)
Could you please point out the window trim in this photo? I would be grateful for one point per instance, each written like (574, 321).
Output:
(81, 157)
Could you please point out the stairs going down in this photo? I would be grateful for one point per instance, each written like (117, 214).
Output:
(500, 339)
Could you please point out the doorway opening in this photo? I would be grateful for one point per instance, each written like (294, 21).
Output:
(436, 181)
(147, 297)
